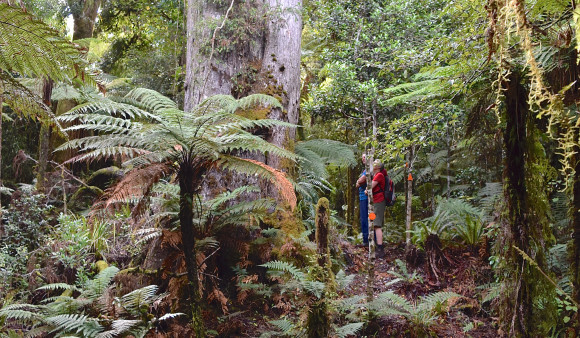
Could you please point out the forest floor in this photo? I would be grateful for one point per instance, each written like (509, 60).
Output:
(467, 272)
(466, 317)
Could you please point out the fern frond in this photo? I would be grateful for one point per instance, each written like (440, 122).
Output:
(333, 152)
(23, 313)
(391, 303)
(286, 267)
(95, 287)
(316, 288)
(283, 325)
(349, 329)
(311, 163)
(58, 286)
(255, 100)
(249, 166)
(151, 100)
(23, 101)
(135, 300)
(351, 302)
(145, 235)
(429, 302)
(231, 195)
(31, 48)
(342, 280)
(168, 316)
(75, 323)
(136, 184)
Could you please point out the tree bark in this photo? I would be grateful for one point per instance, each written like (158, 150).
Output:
(269, 64)
(84, 14)
(44, 142)
(1, 184)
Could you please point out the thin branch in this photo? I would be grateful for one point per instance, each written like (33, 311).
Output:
(213, 253)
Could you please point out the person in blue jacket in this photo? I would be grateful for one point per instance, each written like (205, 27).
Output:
(361, 184)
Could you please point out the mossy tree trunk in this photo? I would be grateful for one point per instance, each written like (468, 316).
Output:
(260, 54)
(524, 223)
(1, 184)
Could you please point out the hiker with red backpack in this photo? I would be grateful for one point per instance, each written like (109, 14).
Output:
(378, 186)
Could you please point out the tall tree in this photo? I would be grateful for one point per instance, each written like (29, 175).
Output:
(240, 48)
(84, 14)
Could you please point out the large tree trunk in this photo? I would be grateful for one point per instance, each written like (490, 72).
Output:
(84, 15)
(268, 64)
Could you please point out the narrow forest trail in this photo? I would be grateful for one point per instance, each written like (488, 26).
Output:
(469, 270)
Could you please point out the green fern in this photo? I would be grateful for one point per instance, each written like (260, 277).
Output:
(44, 54)
(146, 129)
(342, 280)
(64, 315)
(75, 323)
(421, 314)
(286, 267)
(29, 47)
(349, 329)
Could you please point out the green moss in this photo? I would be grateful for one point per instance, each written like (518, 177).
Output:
(101, 265)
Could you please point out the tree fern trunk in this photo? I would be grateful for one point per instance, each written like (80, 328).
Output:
(187, 190)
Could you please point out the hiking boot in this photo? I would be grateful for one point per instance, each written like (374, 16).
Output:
(380, 251)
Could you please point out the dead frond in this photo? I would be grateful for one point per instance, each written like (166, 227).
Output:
(282, 183)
